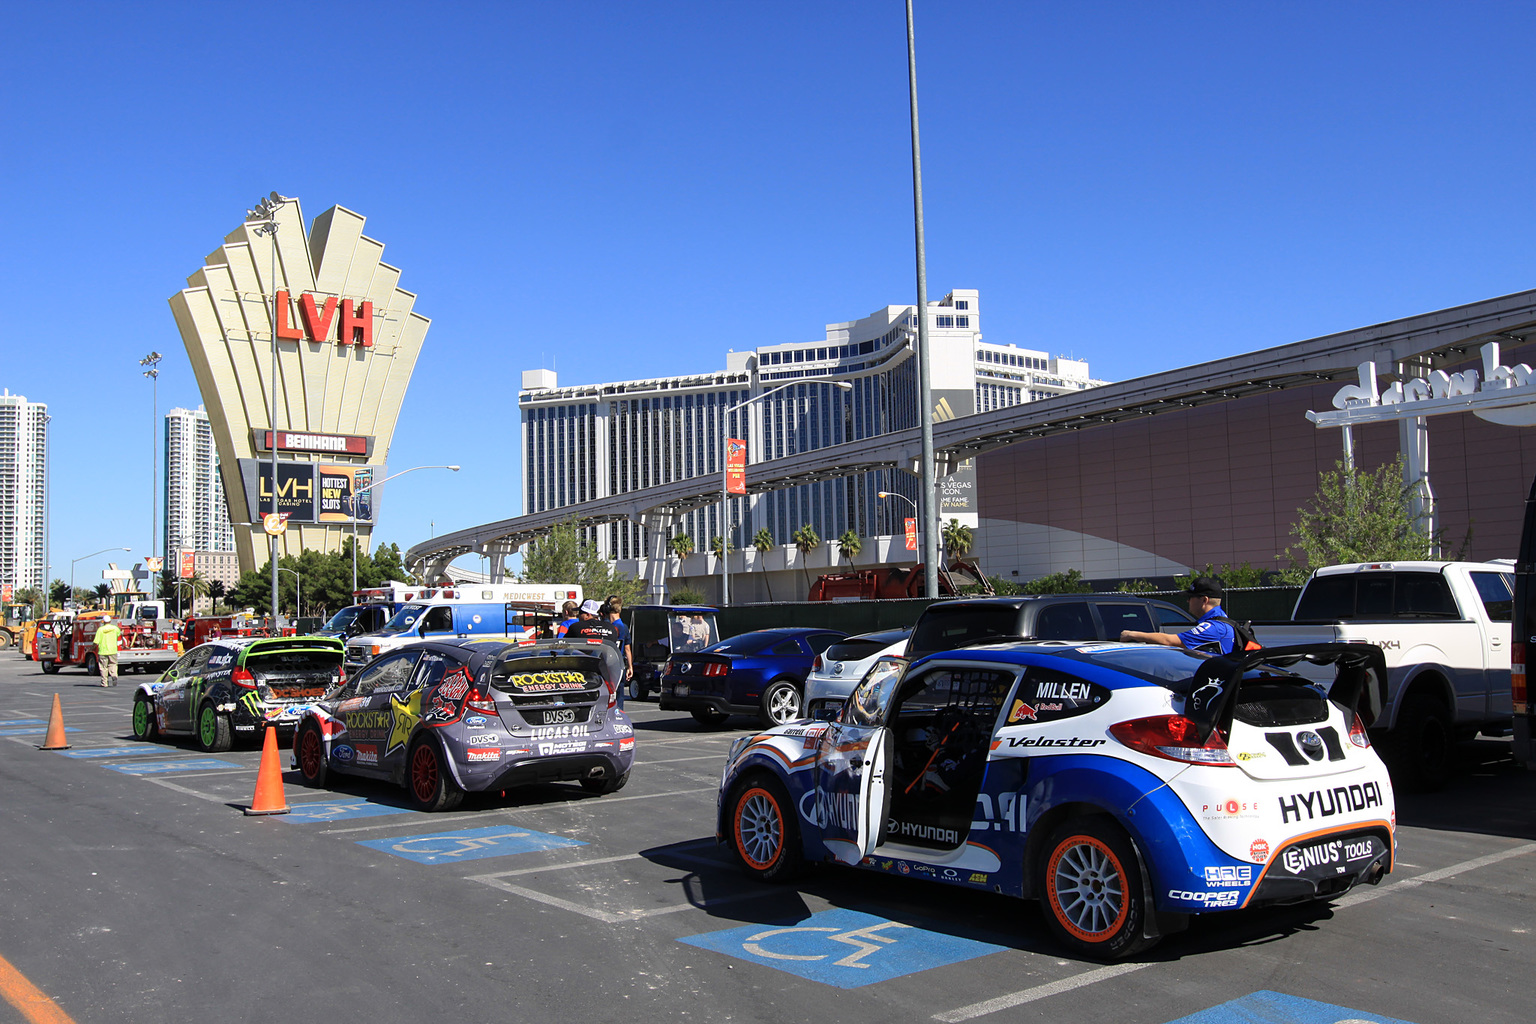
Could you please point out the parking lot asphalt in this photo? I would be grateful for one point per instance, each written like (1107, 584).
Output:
(135, 889)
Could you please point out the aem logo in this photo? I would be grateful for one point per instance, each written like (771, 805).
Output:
(352, 328)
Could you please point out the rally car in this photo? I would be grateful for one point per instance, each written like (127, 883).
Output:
(237, 686)
(445, 717)
(1125, 786)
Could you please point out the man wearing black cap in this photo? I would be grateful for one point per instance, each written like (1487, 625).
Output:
(1211, 634)
(590, 625)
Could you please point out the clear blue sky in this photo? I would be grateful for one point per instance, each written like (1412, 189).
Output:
(628, 189)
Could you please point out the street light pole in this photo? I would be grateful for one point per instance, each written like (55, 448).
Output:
(725, 498)
(83, 558)
(930, 515)
(359, 492)
(915, 515)
(153, 373)
(264, 215)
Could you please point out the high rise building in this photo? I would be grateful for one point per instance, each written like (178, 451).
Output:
(196, 514)
(23, 490)
(592, 441)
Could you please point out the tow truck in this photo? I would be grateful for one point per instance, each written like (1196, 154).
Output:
(146, 645)
(1523, 637)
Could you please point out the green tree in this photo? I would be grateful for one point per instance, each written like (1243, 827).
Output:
(682, 545)
(686, 595)
(849, 545)
(957, 539)
(1231, 575)
(717, 546)
(33, 597)
(103, 591)
(762, 543)
(1361, 516)
(1069, 582)
(217, 591)
(58, 593)
(806, 540)
(565, 556)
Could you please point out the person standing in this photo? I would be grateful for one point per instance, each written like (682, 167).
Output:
(1211, 634)
(569, 611)
(107, 637)
(612, 609)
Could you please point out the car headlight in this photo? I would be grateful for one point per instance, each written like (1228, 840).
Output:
(737, 747)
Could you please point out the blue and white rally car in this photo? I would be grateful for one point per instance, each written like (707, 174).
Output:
(1125, 786)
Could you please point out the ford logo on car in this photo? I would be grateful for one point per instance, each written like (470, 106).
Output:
(343, 753)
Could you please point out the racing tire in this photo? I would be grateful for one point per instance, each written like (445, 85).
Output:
(145, 727)
(1422, 744)
(427, 781)
(50, 667)
(1090, 882)
(309, 754)
(605, 785)
(91, 665)
(637, 688)
(781, 703)
(709, 717)
(5, 640)
(213, 733)
(762, 830)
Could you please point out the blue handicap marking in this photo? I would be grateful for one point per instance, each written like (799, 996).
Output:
(113, 752)
(469, 844)
(844, 948)
(24, 721)
(311, 811)
(33, 731)
(189, 764)
(1276, 1008)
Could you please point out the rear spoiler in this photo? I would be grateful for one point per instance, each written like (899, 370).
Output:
(1359, 682)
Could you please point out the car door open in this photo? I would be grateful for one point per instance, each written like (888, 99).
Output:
(851, 763)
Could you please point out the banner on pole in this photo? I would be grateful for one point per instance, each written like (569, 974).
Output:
(735, 466)
(188, 564)
(911, 534)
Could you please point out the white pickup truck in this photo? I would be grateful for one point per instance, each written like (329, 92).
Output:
(1444, 628)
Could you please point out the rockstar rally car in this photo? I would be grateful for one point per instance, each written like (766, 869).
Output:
(445, 717)
(1124, 786)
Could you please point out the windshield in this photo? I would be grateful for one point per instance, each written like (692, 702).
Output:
(343, 619)
(404, 619)
(691, 631)
(747, 643)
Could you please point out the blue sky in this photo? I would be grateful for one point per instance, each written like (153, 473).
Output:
(621, 190)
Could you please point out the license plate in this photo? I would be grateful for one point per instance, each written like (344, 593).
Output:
(560, 717)
(681, 690)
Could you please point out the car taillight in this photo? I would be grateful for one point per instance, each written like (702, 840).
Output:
(1357, 734)
(243, 678)
(478, 700)
(666, 667)
(1517, 689)
(816, 665)
(613, 694)
(717, 668)
(1175, 738)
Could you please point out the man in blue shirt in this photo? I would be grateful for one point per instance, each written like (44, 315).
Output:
(1209, 635)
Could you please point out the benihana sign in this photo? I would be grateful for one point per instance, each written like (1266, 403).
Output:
(318, 315)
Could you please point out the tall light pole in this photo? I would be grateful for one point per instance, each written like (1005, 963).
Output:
(83, 558)
(909, 501)
(725, 498)
(359, 492)
(924, 389)
(264, 218)
(153, 373)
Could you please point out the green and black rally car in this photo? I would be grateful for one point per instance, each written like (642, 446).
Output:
(235, 686)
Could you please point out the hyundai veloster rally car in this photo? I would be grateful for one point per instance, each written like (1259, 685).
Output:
(445, 717)
(1125, 786)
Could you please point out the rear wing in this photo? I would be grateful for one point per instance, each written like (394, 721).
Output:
(1359, 683)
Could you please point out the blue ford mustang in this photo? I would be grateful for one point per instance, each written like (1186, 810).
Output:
(760, 673)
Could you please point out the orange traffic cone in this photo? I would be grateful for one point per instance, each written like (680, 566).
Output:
(55, 739)
(269, 798)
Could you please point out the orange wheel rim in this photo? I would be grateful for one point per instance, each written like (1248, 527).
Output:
(758, 825)
(1087, 888)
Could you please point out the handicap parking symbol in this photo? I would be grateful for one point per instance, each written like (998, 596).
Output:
(33, 731)
(469, 844)
(1278, 1008)
(190, 764)
(843, 948)
(311, 811)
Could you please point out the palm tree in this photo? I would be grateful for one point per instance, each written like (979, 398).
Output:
(216, 590)
(957, 539)
(806, 540)
(849, 545)
(682, 545)
(103, 592)
(196, 586)
(718, 546)
(762, 543)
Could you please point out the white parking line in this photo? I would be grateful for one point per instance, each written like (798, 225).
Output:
(1099, 974)
(606, 801)
(495, 881)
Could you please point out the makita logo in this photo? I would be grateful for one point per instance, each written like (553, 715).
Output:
(322, 324)
(1325, 803)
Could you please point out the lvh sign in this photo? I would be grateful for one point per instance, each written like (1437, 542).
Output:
(319, 319)
(1499, 394)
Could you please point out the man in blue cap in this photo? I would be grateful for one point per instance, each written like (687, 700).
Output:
(1211, 634)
